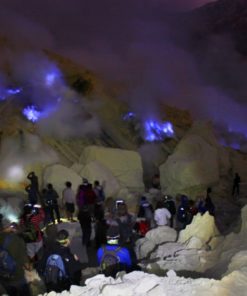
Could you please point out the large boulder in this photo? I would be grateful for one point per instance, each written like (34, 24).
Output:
(143, 248)
(203, 227)
(161, 235)
(194, 164)
(97, 171)
(125, 165)
(153, 239)
(58, 174)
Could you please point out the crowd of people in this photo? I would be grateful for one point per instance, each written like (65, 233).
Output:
(115, 231)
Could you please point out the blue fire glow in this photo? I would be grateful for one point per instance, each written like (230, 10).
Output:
(129, 116)
(50, 78)
(13, 91)
(31, 113)
(5, 93)
(155, 131)
(152, 129)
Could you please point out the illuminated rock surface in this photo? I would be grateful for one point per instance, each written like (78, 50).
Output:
(95, 170)
(58, 174)
(202, 227)
(125, 165)
(194, 163)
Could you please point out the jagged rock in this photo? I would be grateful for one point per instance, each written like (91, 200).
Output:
(161, 235)
(193, 164)
(144, 247)
(238, 261)
(182, 260)
(58, 174)
(215, 242)
(202, 226)
(153, 238)
(95, 170)
(125, 165)
(244, 220)
(166, 250)
(194, 243)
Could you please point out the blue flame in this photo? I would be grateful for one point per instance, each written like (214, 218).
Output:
(155, 131)
(13, 91)
(31, 113)
(129, 116)
(50, 79)
(5, 93)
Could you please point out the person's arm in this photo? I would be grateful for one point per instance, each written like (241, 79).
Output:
(156, 216)
(168, 214)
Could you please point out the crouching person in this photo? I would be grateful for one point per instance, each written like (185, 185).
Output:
(13, 261)
(58, 267)
(113, 258)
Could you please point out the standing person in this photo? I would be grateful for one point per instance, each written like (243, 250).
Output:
(162, 215)
(32, 194)
(80, 197)
(100, 198)
(145, 216)
(68, 200)
(34, 181)
(99, 192)
(156, 181)
(182, 212)
(126, 224)
(58, 267)
(51, 198)
(30, 231)
(235, 186)
(12, 274)
(89, 195)
(84, 218)
(209, 206)
(170, 205)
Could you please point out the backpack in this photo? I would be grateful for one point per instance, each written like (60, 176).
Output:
(7, 262)
(143, 227)
(55, 272)
(29, 232)
(80, 199)
(110, 262)
(182, 215)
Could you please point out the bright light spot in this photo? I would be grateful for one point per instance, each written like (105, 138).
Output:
(31, 113)
(15, 173)
(12, 218)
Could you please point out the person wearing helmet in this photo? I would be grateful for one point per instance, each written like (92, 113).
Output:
(113, 258)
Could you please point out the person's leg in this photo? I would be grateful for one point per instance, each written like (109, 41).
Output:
(56, 208)
(51, 214)
(86, 236)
